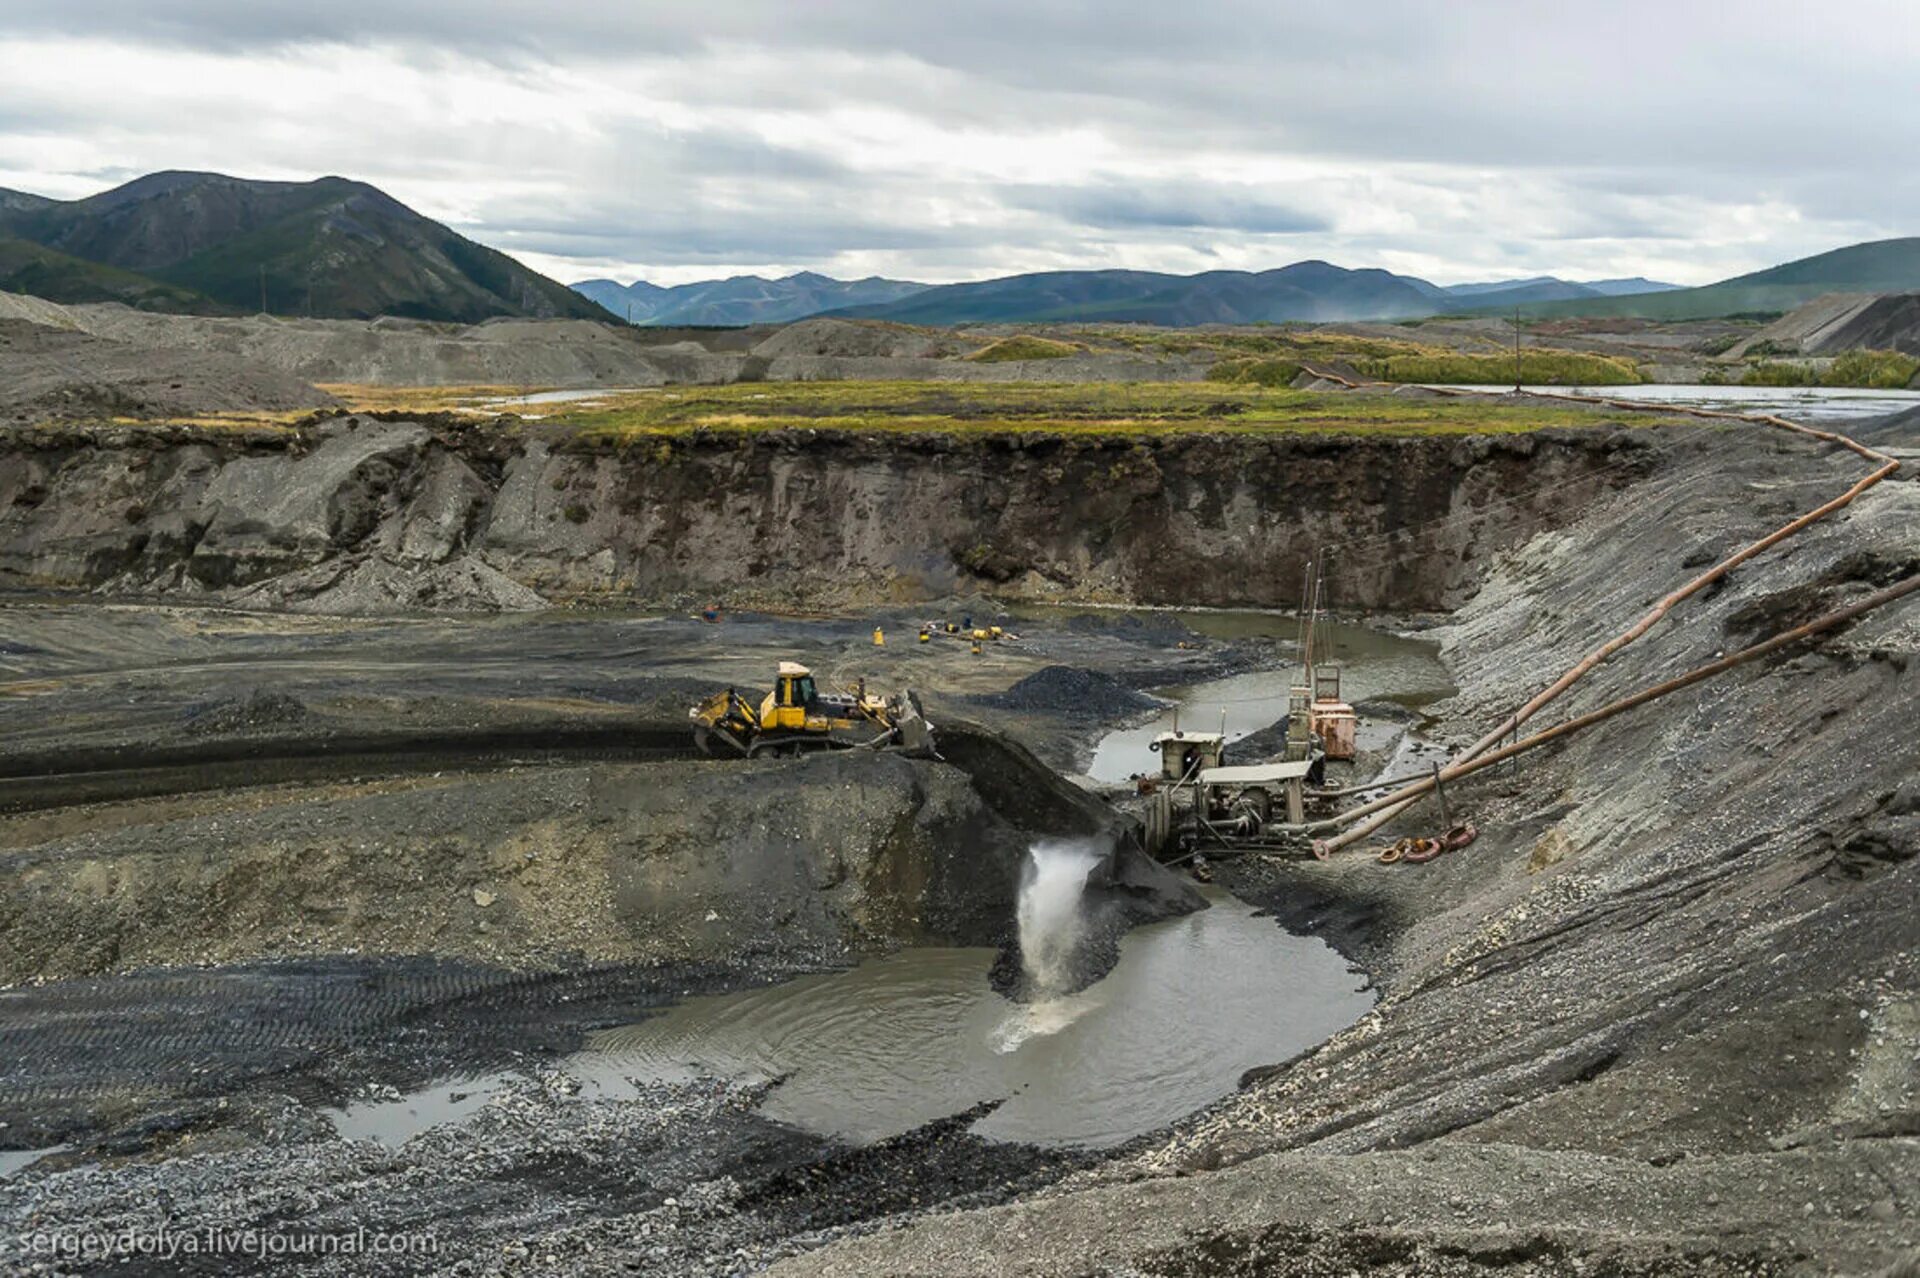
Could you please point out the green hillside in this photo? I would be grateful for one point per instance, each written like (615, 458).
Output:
(29, 268)
(1881, 266)
(330, 247)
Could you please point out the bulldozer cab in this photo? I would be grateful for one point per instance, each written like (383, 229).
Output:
(793, 694)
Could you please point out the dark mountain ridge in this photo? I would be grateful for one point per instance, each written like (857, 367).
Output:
(331, 247)
(742, 299)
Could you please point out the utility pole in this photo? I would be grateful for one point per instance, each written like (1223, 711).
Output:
(1516, 349)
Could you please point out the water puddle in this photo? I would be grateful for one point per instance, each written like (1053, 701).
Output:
(901, 1041)
(15, 1161)
(1374, 665)
(586, 396)
(1795, 403)
(391, 1119)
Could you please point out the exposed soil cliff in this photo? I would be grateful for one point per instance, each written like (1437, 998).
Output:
(363, 515)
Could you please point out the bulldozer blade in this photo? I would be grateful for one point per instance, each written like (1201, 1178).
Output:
(912, 732)
(717, 742)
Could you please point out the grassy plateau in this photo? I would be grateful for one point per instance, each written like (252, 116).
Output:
(1020, 408)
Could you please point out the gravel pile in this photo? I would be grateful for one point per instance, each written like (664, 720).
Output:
(1071, 690)
(58, 373)
(261, 708)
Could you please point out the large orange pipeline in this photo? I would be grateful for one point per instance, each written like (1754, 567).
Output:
(1380, 811)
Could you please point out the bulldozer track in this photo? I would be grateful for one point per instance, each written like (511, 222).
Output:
(107, 775)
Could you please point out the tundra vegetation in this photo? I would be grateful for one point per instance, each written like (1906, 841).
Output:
(1873, 370)
(1263, 357)
(1056, 408)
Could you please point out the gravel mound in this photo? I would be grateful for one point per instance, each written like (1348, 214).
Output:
(390, 351)
(379, 585)
(1071, 690)
(848, 338)
(261, 708)
(37, 310)
(62, 373)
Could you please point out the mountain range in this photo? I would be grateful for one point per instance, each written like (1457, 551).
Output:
(742, 299)
(1303, 291)
(211, 244)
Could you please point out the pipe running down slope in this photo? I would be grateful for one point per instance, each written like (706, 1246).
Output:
(1383, 810)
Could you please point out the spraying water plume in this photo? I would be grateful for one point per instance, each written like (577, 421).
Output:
(1052, 926)
(1051, 920)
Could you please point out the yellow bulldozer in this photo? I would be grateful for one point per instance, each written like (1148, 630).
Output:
(798, 718)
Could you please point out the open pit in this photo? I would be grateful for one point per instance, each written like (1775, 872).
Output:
(346, 881)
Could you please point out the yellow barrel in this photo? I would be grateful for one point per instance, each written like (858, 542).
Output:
(879, 640)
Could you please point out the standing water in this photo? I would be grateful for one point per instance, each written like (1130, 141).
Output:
(900, 1041)
(1373, 664)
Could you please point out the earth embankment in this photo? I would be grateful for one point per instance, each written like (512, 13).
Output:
(357, 514)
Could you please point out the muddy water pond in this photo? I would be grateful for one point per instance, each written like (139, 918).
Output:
(1374, 664)
(900, 1041)
(903, 1040)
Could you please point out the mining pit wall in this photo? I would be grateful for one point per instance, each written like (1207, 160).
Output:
(358, 515)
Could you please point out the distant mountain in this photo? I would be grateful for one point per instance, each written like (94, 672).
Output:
(1551, 288)
(1306, 291)
(1880, 266)
(1630, 286)
(330, 247)
(1498, 286)
(743, 299)
(1303, 291)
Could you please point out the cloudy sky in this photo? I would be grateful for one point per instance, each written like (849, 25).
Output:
(1459, 140)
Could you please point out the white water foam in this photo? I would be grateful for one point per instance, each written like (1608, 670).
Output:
(1051, 923)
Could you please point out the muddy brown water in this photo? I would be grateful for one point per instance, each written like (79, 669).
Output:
(900, 1041)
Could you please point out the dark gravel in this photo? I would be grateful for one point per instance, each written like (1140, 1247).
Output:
(1071, 690)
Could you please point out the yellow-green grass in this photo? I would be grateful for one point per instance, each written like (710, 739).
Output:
(962, 408)
(1536, 368)
(1874, 370)
(1247, 356)
(1057, 408)
(1248, 370)
(418, 399)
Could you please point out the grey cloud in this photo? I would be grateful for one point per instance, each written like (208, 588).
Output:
(1561, 119)
(1116, 205)
(692, 232)
(1497, 81)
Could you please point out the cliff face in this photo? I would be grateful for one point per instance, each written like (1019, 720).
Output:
(360, 515)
